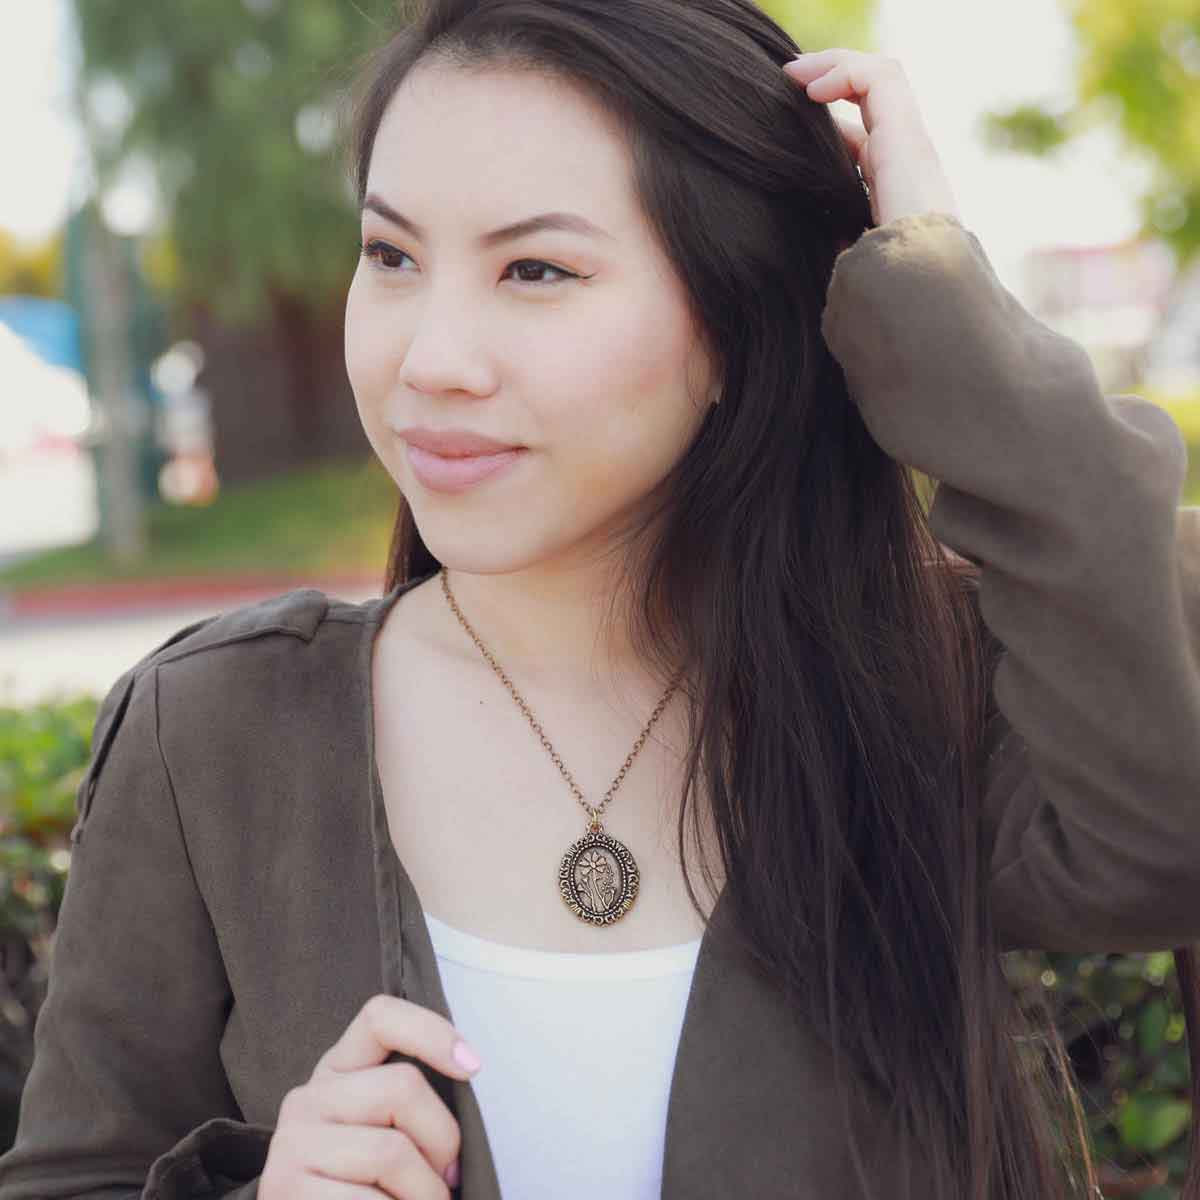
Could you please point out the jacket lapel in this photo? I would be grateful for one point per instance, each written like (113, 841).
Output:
(408, 964)
(752, 1108)
(421, 982)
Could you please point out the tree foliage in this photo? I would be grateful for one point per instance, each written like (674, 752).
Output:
(31, 269)
(819, 26)
(1138, 71)
(234, 104)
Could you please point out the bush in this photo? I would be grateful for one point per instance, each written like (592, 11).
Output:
(43, 754)
(1121, 1019)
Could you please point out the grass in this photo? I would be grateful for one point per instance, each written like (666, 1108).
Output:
(1185, 409)
(326, 519)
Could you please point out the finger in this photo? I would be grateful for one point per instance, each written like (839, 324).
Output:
(869, 81)
(387, 1023)
(853, 134)
(386, 1159)
(813, 65)
(815, 62)
(396, 1094)
(839, 82)
(337, 1189)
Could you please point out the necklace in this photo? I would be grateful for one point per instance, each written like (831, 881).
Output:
(598, 877)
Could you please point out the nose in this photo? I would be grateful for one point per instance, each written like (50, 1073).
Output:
(441, 354)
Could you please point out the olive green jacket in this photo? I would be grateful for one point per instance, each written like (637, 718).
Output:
(234, 895)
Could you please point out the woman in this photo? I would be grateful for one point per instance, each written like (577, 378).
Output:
(694, 558)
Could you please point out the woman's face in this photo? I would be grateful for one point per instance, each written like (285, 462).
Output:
(602, 378)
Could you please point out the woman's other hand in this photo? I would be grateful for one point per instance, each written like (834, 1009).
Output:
(892, 147)
(363, 1127)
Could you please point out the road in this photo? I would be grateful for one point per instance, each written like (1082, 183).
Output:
(53, 657)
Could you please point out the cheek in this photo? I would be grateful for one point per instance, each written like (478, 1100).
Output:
(358, 339)
(369, 355)
(627, 412)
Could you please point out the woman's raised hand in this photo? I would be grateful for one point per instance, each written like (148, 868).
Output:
(362, 1127)
(892, 146)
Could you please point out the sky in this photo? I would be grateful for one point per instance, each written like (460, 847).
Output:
(961, 59)
(36, 129)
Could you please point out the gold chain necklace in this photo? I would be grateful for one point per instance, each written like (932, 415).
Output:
(598, 877)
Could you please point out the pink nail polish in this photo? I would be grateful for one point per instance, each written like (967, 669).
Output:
(451, 1175)
(466, 1057)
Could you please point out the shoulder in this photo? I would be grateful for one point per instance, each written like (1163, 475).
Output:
(294, 618)
(208, 687)
(296, 614)
(223, 663)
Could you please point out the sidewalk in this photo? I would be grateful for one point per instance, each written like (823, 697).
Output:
(61, 642)
(75, 600)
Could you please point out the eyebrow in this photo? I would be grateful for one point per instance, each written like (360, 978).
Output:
(570, 222)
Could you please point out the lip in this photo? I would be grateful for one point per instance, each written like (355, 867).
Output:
(453, 443)
(442, 474)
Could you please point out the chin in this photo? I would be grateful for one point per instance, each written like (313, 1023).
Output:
(472, 555)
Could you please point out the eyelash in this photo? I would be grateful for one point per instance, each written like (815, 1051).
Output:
(375, 249)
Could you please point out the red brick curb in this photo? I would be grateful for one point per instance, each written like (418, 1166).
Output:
(115, 596)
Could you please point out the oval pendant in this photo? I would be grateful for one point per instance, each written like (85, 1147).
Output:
(598, 878)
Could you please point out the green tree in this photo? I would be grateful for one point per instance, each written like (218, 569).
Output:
(234, 102)
(1139, 71)
(232, 108)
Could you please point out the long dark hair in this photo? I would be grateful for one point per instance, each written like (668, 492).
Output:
(838, 670)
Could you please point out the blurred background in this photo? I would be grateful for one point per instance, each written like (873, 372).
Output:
(177, 235)
(177, 433)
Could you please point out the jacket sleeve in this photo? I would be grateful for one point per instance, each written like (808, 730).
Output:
(127, 1097)
(1068, 500)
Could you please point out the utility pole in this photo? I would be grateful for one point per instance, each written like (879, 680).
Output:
(120, 415)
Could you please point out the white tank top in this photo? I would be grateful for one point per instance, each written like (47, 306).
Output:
(578, 1052)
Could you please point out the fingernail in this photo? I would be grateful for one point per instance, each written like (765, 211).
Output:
(466, 1057)
(451, 1174)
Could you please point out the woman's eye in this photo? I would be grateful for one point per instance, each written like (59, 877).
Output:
(381, 252)
(384, 258)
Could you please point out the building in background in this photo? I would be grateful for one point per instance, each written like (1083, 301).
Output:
(1172, 360)
(1112, 299)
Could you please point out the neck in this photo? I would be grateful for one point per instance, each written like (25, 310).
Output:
(552, 628)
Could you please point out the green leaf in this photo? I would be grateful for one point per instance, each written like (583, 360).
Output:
(1149, 1122)
(1152, 1026)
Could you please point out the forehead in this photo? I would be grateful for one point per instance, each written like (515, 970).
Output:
(477, 146)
